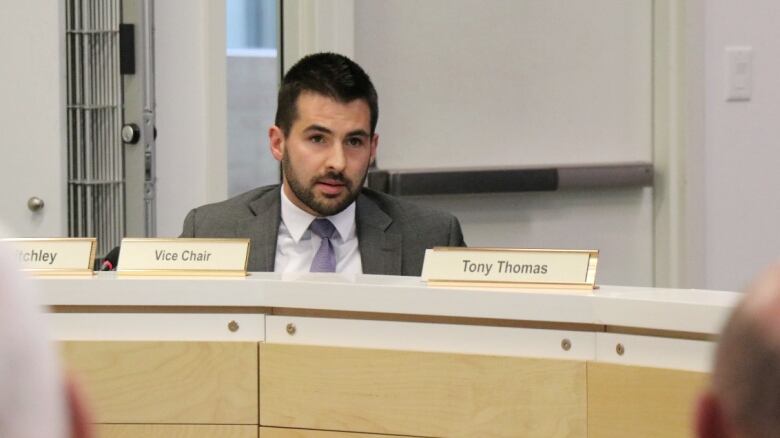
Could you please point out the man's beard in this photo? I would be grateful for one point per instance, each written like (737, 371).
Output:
(305, 193)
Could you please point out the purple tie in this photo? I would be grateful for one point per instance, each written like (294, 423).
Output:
(325, 259)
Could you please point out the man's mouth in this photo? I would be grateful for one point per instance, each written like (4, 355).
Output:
(331, 186)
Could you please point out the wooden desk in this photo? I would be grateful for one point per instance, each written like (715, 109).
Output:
(322, 356)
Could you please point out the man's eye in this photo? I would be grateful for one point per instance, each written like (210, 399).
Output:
(317, 139)
(355, 141)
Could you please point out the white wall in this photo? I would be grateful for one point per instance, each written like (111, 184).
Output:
(742, 158)
(464, 83)
(191, 108)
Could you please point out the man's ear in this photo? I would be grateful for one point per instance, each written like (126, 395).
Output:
(276, 142)
(374, 145)
(711, 421)
(80, 421)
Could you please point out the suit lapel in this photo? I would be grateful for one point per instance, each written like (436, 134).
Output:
(380, 249)
(263, 229)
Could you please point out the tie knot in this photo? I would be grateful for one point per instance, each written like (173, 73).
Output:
(322, 228)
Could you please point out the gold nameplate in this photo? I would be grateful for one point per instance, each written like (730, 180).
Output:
(210, 257)
(55, 256)
(538, 268)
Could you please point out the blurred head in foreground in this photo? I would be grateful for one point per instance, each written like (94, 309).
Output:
(35, 400)
(744, 398)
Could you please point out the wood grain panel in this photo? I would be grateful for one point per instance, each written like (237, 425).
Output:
(277, 432)
(641, 402)
(174, 431)
(420, 394)
(167, 382)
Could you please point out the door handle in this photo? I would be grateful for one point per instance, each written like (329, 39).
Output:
(35, 204)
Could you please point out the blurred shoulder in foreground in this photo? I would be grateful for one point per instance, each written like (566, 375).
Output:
(36, 401)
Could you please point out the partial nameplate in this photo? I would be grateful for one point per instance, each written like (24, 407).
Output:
(538, 268)
(54, 256)
(207, 257)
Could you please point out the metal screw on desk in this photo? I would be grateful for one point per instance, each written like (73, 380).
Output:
(566, 345)
(291, 329)
(233, 326)
(620, 349)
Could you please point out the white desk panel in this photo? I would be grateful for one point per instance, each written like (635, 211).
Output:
(651, 351)
(689, 310)
(156, 326)
(420, 336)
(663, 309)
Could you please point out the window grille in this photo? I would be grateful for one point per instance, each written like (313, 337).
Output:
(94, 118)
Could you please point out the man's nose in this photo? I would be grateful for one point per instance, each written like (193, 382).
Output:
(337, 158)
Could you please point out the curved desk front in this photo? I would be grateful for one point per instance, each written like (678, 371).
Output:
(322, 356)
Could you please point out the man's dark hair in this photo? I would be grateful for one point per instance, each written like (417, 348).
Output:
(328, 74)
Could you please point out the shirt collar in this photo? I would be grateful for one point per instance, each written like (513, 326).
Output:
(297, 220)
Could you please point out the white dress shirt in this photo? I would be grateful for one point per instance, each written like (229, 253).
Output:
(296, 245)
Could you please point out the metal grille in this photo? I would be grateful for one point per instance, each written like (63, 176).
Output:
(95, 170)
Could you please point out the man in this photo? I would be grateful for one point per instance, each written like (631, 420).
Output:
(35, 400)
(744, 398)
(322, 218)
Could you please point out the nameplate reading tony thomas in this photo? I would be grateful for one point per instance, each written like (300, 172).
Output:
(539, 268)
(208, 257)
(54, 256)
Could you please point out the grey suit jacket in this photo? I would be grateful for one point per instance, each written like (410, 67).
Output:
(392, 234)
